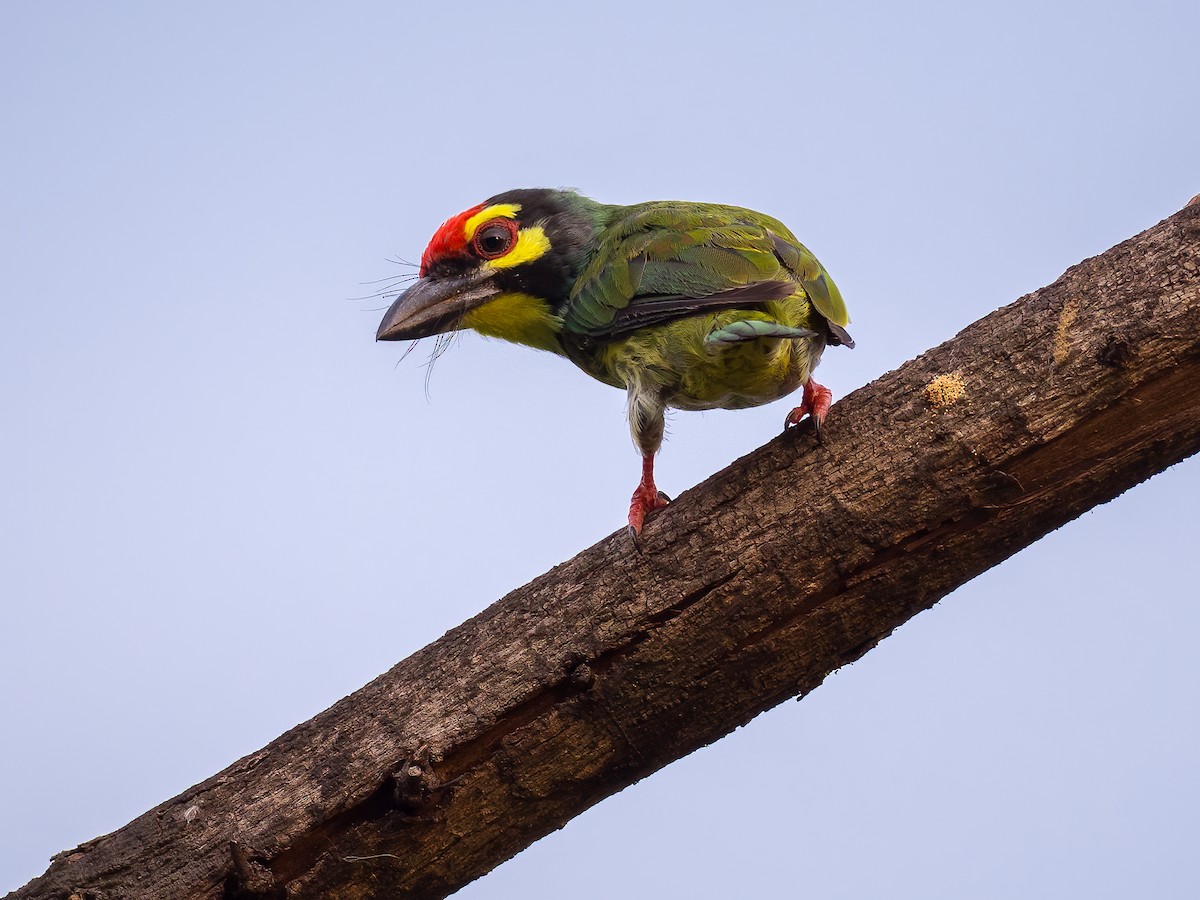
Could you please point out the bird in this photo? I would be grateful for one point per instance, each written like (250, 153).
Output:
(682, 305)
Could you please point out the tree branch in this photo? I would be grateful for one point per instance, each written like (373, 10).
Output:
(751, 589)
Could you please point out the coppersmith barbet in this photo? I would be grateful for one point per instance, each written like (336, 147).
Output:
(684, 305)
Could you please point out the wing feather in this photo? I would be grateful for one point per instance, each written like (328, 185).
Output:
(665, 261)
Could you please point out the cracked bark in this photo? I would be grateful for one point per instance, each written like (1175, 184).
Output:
(753, 587)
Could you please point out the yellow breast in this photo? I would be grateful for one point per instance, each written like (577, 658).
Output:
(520, 318)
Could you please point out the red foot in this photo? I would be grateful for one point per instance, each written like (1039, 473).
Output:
(646, 498)
(815, 402)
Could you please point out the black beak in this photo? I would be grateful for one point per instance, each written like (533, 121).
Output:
(434, 305)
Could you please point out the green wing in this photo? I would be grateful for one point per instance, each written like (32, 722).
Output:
(662, 261)
(820, 288)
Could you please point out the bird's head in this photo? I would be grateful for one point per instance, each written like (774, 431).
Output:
(504, 268)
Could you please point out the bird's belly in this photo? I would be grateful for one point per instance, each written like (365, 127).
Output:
(676, 365)
(748, 375)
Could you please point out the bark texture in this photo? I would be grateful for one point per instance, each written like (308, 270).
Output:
(752, 587)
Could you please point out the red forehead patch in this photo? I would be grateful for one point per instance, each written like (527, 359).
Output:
(448, 240)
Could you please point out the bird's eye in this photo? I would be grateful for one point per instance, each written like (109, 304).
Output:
(495, 238)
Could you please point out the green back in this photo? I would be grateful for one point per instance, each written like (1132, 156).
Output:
(665, 260)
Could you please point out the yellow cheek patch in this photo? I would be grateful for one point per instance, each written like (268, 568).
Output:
(496, 211)
(531, 244)
(520, 318)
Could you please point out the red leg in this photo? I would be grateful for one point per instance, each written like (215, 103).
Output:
(815, 402)
(646, 498)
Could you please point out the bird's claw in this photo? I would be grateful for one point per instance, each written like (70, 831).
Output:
(643, 503)
(814, 404)
(796, 417)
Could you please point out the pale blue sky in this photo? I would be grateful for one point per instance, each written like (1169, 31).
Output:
(223, 507)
